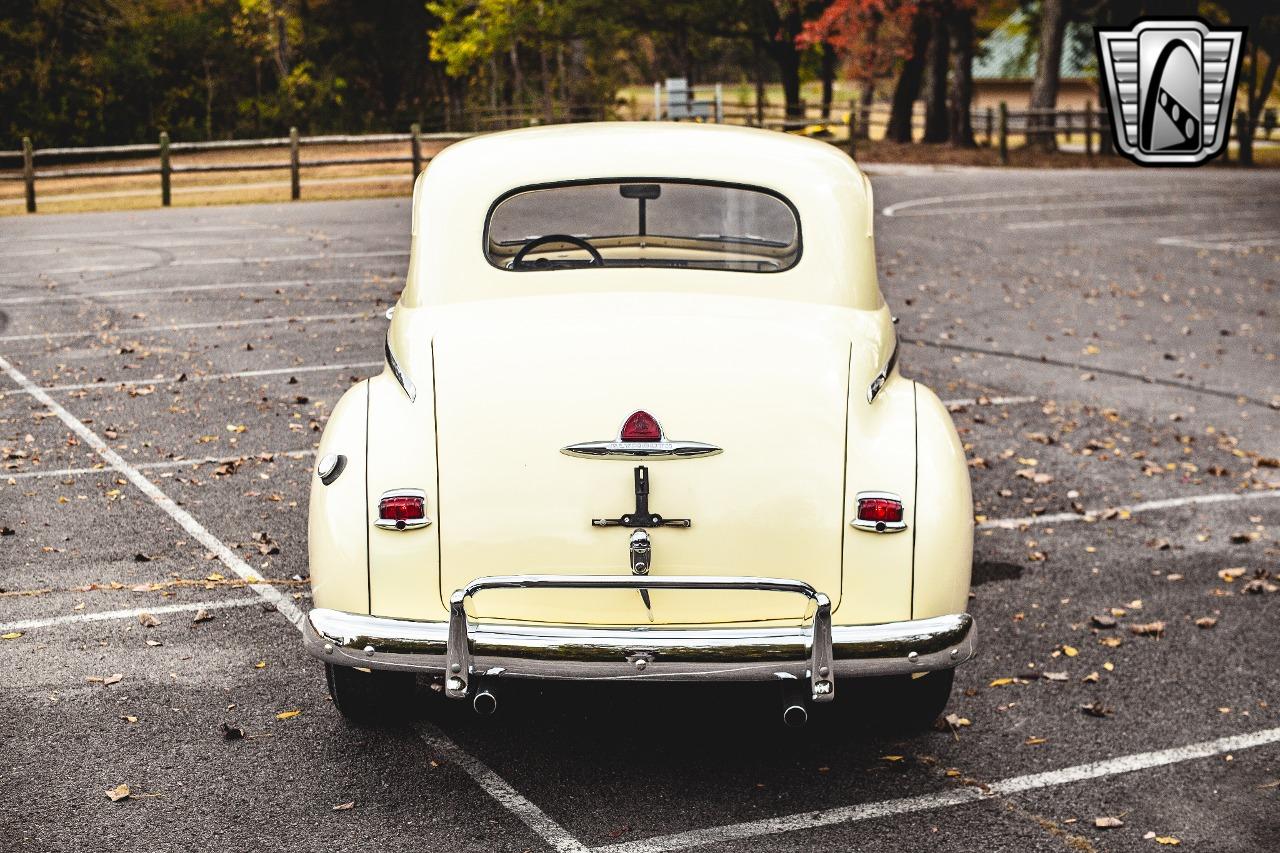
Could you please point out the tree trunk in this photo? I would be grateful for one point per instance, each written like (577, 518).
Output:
(280, 22)
(828, 78)
(863, 127)
(548, 97)
(908, 87)
(788, 59)
(1255, 98)
(936, 124)
(962, 79)
(1044, 89)
(759, 64)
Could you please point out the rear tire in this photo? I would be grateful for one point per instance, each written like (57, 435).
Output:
(916, 703)
(369, 697)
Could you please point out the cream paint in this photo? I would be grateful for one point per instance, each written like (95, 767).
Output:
(774, 368)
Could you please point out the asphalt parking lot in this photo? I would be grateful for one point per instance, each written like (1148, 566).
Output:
(1108, 344)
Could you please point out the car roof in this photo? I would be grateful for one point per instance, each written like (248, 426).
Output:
(453, 197)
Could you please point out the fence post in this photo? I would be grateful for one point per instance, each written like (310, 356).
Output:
(1004, 133)
(29, 173)
(295, 179)
(1088, 128)
(853, 128)
(415, 142)
(164, 169)
(991, 125)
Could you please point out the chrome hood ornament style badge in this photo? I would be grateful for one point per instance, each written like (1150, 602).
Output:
(1171, 86)
(641, 437)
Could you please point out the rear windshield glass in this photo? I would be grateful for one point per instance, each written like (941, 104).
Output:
(643, 223)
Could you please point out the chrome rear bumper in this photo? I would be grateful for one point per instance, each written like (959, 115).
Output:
(818, 651)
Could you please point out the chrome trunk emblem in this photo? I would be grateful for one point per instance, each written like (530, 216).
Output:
(632, 448)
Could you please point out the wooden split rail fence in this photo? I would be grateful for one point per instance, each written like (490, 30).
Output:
(165, 167)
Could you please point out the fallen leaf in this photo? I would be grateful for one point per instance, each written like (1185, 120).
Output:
(260, 665)
(1110, 642)
(1070, 651)
(202, 615)
(1101, 620)
(891, 758)
(956, 721)
(118, 793)
(11, 635)
(146, 620)
(287, 715)
(1167, 840)
(1148, 629)
(1097, 709)
(1107, 822)
(231, 732)
(129, 718)
(342, 807)
(1229, 575)
(1091, 678)
(1206, 622)
(1035, 741)
(1000, 682)
(1054, 676)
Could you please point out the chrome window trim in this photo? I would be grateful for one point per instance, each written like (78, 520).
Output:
(390, 524)
(398, 372)
(873, 390)
(878, 526)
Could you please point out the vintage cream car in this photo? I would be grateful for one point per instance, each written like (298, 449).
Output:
(641, 420)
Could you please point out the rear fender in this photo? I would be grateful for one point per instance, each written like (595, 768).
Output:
(943, 520)
(336, 542)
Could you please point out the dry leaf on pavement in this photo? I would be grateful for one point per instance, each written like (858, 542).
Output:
(1107, 822)
(118, 793)
(1147, 629)
(146, 620)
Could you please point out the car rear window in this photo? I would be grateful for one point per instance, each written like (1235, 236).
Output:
(643, 223)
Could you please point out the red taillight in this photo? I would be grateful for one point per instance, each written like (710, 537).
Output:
(641, 426)
(884, 510)
(402, 509)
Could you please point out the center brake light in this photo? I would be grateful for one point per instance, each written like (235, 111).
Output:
(880, 512)
(641, 426)
(402, 509)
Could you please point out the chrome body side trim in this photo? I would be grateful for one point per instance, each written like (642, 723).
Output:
(404, 524)
(883, 376)
(663, 448)
(639, 653)
(398, 372)
(878, 526)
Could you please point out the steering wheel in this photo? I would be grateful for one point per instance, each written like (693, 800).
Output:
(518, 262)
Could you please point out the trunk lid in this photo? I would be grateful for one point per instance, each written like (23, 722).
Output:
(516, 381)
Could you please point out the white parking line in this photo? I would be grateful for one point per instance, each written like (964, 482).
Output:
(205, 262)
(942, 799)
(1233, 244)
(159, 498)
(108, 615)
(498, 788)
(1132, 509)
(179, 288)
(248, 228)
(895, 209)
(136, 244)
(987, 401)
(184, 327)
(154, 466)
(205, 377)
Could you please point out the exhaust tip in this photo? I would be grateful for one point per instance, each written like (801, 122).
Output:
(795, 716)
(485, 703)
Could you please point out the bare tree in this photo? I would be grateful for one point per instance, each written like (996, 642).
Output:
(1044, 88)
(936, 124)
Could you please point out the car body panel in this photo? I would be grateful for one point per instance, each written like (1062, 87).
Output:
(508, 368)
(336, 540)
